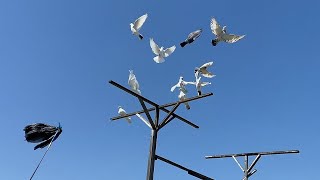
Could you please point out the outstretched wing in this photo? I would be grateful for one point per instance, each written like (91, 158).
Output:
(231, 38)
(139, 22)
(204, 83)
(186, 83)
(169, 51)
(174, 87)
(207, 74)
(215, 27)
(194, 35)
(206, 65)
(155, 48)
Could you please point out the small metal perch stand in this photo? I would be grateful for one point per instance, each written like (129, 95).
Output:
(247, 170)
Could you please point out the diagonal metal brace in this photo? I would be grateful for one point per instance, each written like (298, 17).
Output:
(147, 113)
(254, 162)
(191, 172)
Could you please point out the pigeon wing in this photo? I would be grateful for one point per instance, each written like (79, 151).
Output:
(186, 83)
(207, 74)
(169, 51)
(215, 27)
(206, 65)
(155, 48)
(231, 38)
(174, 87)
(194, 35)
(139, 22)
(204, 83)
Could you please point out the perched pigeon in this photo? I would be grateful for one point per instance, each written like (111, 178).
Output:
(203, 71)
(136, 26)
(221, 34)
(182, 96)
(160, 52)
(200, 84)
(181, 85)
(122, 112)
(41, 133)
(191, 37)
(132, 81)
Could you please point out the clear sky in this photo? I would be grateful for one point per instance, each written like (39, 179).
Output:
(56, 58)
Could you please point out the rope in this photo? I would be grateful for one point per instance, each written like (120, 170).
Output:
(44, 155)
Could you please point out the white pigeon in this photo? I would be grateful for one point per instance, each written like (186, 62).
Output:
(132, 81)
(221, 34)
(160, 52)
(182, 96)
(122, 112)
(136, 26)
(191, 37)
(203, 71)
(181, 85)
(200, 84)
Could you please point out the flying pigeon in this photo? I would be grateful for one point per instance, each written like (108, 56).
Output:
(160, 52)
(200, 84)
(182, 96)
(191, 37)
(221, 34)
(41, 133)
(203, 71)
(181, 85)
(136, 26)
(122, 112)
(133, 83)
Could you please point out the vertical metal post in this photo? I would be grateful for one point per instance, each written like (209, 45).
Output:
(152, 154)
(246, 167)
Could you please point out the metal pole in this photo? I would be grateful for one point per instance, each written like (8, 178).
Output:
(246, 164)
(152, 154)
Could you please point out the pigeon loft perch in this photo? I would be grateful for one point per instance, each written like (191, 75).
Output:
(155, 125)
(247, 170)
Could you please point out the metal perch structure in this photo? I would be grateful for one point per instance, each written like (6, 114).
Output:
(247, 170)
(155, 125)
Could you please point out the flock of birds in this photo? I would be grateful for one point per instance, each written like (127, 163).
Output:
(44, 134)
(161, 53)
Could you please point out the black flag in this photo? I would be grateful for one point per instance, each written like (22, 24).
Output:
(41, 133)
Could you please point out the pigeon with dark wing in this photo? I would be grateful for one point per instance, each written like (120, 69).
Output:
(191, 37)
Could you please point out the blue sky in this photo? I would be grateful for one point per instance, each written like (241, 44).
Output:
(56, 58)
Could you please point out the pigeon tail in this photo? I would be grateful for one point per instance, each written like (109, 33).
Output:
(128, 119)
(140, 37)
(183, 43)
(137, 91)
(158, 59)
(214, 42)
(187, 106)
(199, 93)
